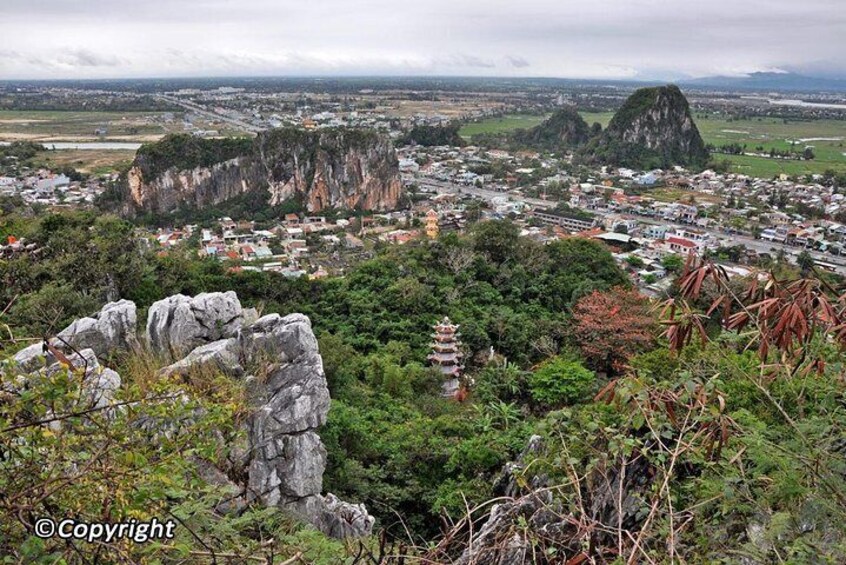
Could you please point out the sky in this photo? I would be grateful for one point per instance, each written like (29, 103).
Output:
(599, 39)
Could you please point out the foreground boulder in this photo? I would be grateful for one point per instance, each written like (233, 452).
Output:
(179, 324)
(99, 384)
(292, 401)
(113, 327)
(283, 459)
(279, 359)
(110, 330)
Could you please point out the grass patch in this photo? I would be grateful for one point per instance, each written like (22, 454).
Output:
(91, 161)
(500, 124)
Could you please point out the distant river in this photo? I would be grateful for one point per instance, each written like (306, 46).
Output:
(83, 145)
(803, 104)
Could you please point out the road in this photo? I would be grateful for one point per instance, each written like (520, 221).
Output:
(757, 245)
(197, 109)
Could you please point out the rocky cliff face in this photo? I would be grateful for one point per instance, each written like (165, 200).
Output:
(654, 128)
(277, 357)
(342, 168)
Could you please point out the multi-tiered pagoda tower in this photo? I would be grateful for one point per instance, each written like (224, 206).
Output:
(432, 227)
(446, 355)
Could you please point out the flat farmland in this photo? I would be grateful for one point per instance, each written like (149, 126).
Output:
(82, 126)
(500, 124)
(91, 161)
(827, 138)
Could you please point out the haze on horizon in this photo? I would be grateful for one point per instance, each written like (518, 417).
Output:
(604, 39)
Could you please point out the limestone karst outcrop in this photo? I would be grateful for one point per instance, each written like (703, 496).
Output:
(653, 128)
(278, 359)
(336, 168)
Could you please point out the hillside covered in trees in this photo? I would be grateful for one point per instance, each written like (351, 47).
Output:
(602, 433)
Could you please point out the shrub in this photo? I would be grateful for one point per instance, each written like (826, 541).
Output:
(561, 381)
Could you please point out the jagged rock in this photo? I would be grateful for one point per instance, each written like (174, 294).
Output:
(110, 329)
(31, 358)
(102, 387)
(232, 496)
(294, 396)
(333, 516)
(508, 483)
(342, 168)
(178, 324)
(250, 315)
(283, 459)
(653, 128)
(499, 541)
(287, 468)
(223, 354)
(99, 384)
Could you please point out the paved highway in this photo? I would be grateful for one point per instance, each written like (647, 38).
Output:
(757, 245)
(197, 109)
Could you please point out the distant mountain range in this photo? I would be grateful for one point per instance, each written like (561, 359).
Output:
(769, 82)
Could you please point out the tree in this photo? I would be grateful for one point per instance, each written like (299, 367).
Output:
(609, 327)
(496, 239)
(805, 262)
(561, 381)
(672, 263)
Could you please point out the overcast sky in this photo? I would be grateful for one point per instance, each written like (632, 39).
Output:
(553, 38)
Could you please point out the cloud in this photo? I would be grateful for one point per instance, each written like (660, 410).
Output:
(565, 38)
(517, 62)
(462, 60)
(85, 58)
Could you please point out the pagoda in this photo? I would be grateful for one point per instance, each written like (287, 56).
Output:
(432, 227)
(446, 355)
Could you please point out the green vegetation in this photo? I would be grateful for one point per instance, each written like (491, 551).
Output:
(430, 136)
(760, 135)
(560, 381)
(183, 151)
(56, 125)
(566, 211)
(725, 443)
(46, 102)
(564, 130)
(500, 124)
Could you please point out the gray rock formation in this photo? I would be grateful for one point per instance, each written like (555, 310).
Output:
(503, 540)
(292, 400)
(654, 127)
(179, 324)
(278, 358)
(332, 516)
(99, 384)
(509, 483)
(30, 358)
(110, 329)
(287, 388)
(222, 355)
